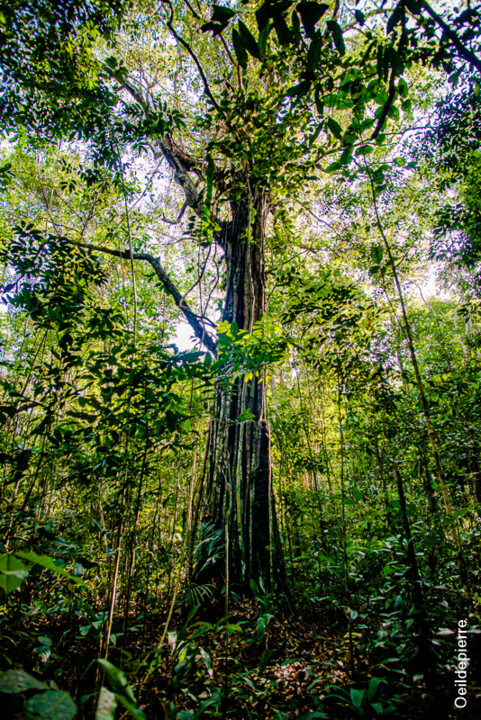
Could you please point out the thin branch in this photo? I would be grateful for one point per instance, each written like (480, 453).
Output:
(179, 217)
(199, 66)
(131, 252)
(316, 217)
(199, 279)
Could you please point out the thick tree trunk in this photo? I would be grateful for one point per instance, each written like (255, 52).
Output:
(239, 493)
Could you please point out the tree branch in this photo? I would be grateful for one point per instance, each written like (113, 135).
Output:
(173, 157)
(199, 66)
(194, 320)
(464, 52)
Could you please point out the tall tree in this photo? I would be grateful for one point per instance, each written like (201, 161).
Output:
(259, 95)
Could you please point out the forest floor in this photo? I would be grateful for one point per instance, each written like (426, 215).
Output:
(271, 667)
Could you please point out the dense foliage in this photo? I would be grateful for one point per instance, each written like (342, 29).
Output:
(240, 359)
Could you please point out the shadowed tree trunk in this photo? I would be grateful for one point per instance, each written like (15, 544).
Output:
(239, 494)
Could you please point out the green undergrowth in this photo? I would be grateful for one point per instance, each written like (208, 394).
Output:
(258, 661)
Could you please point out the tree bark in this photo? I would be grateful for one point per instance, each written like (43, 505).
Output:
(238, 473)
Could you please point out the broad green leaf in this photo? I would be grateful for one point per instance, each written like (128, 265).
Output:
(284, 35)
(334, 127)
(335, 28)
(359, 16)
(336, 165)
(245, 415)
(106, 705)
(117, 679)
(300, 89)
(208, 661)
(263, 37)
(220, 19)
(248, 40)
(221, 14)
(213, 700)
(50, 705)
(377, 253)
(18, 681)
(12, 573)
(314, 52)
(239, 49)
(47, 562)
(395, 19)
(356, 697)
(311, 13)
(373, 687)
(296, 29)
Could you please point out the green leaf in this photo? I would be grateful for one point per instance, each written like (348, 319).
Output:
(365, 150)
(346, 156)
(377, 253)
(334, 127)
(208, 661)
(268, 10)
(220, 19)
(395, 19)
(222, 14)
(131, 707)
(336, 165)
(106, 705)
(356, 697)
(245, 416)
(248, 40)
(311, 13)
(214, 699)
(296, 29)
(335, 28)
(12, 573)
(239, 49)
(359, 16)
(117, 679)
(264, 661)
(402, 87)
(373, 687)
(18, 681)
(314, 53)
(283, 33)
(50, 705)
(300, 89)
(47, 562)
(263, 37)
